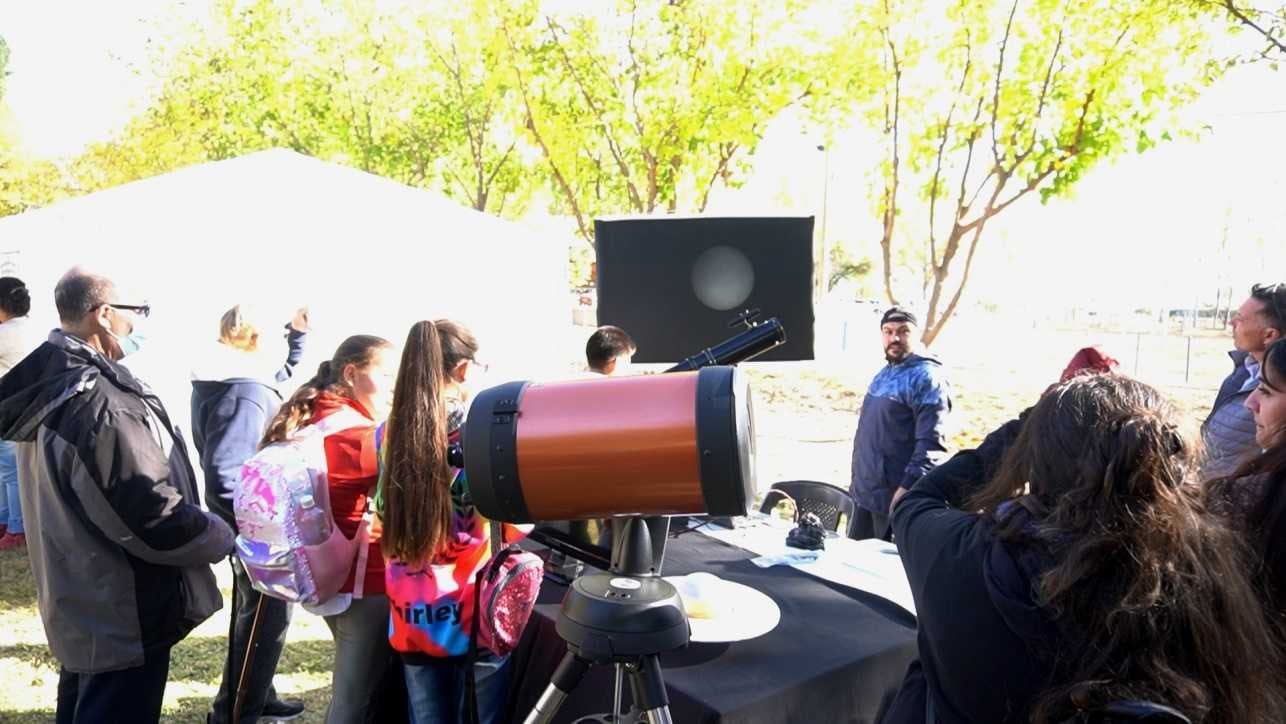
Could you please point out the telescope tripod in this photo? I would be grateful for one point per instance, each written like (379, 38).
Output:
(646, 684)
(626, 616)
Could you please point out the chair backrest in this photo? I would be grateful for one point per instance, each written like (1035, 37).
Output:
(824, 500)
(1131, 711)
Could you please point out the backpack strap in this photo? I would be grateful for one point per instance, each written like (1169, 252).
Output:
(363, 549)
(338, 421)
(471, 659)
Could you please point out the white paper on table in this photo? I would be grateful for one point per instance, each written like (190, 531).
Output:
(871, 565)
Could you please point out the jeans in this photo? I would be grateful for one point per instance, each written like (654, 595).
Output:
(129, 696)
(436, 688)
(10, 509)
(273, 623)
(361, 655)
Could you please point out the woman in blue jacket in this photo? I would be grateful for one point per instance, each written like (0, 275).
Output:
(1069, 562)
(234, 396)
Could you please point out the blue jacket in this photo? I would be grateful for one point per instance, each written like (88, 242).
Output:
(231, 408)
(900, 430)
(1229, 430)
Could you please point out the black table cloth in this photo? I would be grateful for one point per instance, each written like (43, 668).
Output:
(837, 655)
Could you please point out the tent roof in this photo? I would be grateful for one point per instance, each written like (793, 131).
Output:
(280, 230)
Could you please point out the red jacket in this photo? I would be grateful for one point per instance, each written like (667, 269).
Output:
(352, 472)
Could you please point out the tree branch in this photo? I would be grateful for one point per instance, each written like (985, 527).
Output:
(961, 207)
(942, 147)
(504, 158)
(559, 178)
(726, 152)
(635, 198)
(1244, 18)
(892, 124)
(932, 331)
(995, 96)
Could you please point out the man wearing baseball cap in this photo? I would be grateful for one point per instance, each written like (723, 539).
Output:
(900, 430)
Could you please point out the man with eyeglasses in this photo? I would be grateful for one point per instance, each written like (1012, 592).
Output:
(120, 547)
(1229, 431)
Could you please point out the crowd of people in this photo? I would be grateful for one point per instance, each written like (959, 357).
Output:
(1087, 553)
(1087, 556)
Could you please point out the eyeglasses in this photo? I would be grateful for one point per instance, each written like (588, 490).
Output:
(143, 310)
(482, 366)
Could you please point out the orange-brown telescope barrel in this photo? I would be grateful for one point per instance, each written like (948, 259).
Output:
(680, 443)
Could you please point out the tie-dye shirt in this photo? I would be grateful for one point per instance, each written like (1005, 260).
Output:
(431, 606)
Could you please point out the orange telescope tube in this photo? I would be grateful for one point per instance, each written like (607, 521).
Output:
(680, 443)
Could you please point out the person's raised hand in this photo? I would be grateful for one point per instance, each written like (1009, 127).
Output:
(300, 321)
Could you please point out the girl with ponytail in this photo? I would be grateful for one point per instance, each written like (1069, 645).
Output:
(16, 342)
(358, 383)
(434, 539)
(1070, 562)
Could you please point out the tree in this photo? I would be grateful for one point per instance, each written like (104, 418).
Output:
(844, 267)
(416, 93)
(25, 182)
(648, 105)
(1006, 98)
(1268, 23)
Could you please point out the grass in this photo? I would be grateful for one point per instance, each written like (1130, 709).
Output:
(30, 680)
(805, 420)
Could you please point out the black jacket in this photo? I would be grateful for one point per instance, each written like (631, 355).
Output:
(985, 646)
(120, 548)
(231, 408)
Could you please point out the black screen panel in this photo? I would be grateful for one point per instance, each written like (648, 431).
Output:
(675, 283)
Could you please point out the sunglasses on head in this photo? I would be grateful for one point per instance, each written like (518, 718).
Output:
(1274, 292)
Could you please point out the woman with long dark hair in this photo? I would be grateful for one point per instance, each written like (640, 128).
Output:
(1254, 495)
(356, 382)
(1070, 562)
(434, 539)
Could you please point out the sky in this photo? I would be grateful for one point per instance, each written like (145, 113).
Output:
(1142, 230)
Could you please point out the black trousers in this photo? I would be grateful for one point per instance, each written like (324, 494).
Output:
(869, 524)
(273, 623)
(129, 696)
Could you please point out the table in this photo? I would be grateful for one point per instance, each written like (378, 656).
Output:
(838, 654)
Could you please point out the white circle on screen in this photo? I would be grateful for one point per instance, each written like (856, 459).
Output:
(722, 278)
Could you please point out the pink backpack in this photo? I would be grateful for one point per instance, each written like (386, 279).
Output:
(288, 540)
(505, 594)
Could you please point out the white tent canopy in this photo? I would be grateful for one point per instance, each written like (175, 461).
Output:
(280, 230)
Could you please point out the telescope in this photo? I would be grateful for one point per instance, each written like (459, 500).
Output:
(632, 451)
(758, 338)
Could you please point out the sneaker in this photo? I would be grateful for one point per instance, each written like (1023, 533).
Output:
(13, 540)
(282, 709)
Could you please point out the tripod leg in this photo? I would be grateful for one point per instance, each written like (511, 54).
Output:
(648, 688)
(616, 699)
(568, 674)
